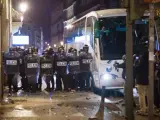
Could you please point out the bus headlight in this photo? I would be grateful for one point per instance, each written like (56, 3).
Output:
(106, 77)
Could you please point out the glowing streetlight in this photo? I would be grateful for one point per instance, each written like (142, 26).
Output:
(22, 18)
(45, 42)
(48, 44)
(55, 45)
(23, 7)
(62, 43)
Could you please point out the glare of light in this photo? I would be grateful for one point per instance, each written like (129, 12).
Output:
(107, 77)
(22, 18)
(23, 7)
(69, 26)
(48, 44)
(62, 43)
(45, 42)
(55, 45)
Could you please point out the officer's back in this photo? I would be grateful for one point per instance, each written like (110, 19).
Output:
(85, 60)
(31, 63)
(61, 62)
(11, 63)
(73, 62)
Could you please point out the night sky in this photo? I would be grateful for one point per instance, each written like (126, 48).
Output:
(39, 13)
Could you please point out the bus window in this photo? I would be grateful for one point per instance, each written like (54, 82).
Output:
(112, 37)
(90, 30)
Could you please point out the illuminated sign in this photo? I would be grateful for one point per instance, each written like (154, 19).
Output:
(82, 39)
(20, 40)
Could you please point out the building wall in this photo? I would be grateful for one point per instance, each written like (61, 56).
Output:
(35, 34)
(57, 22)
(79, 8)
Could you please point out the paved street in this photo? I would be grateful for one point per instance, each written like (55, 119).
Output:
(61, 106)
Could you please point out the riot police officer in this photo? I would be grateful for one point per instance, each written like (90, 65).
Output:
(39, 85)
(74, 69)
(69, 77)
(11, 67)
(85, 61)
(22, 69)
(32, 68)
(46, 63)
(52, 54)
(60, 67)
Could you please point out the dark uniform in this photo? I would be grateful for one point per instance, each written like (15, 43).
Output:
(22, 69)
(60, 67)
(32, 69)
(51, 54)
(46, 63)
(39, 85)
(11, 67)
(85, 61)
(74, 69)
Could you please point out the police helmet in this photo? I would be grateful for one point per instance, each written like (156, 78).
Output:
(11, 49)
(74, 51)
(35, 49)
(70, 49)
(45, 52)
(60, 48)
(50, 51)
(30, 50)
(86, 48)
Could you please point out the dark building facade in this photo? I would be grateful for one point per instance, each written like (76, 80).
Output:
(74, 9)
(57, 22)
(67, 11)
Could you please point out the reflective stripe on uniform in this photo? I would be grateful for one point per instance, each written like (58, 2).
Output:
(32, 65)
(61, 63)
(74, 63)
(86, 61)
(11, 62)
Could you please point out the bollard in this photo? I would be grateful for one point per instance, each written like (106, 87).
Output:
(102, 97)
(100, 113)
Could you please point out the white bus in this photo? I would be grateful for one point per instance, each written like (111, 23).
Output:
(105, 33)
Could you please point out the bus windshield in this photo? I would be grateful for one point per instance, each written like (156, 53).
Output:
(113, 36)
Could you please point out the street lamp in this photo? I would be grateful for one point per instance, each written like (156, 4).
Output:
(23, 7)
(62, 43)
(55, 45)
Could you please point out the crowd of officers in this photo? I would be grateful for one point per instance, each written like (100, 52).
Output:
(72, 68)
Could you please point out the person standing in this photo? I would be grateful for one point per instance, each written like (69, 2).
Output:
(142, 82)
(60, 67)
